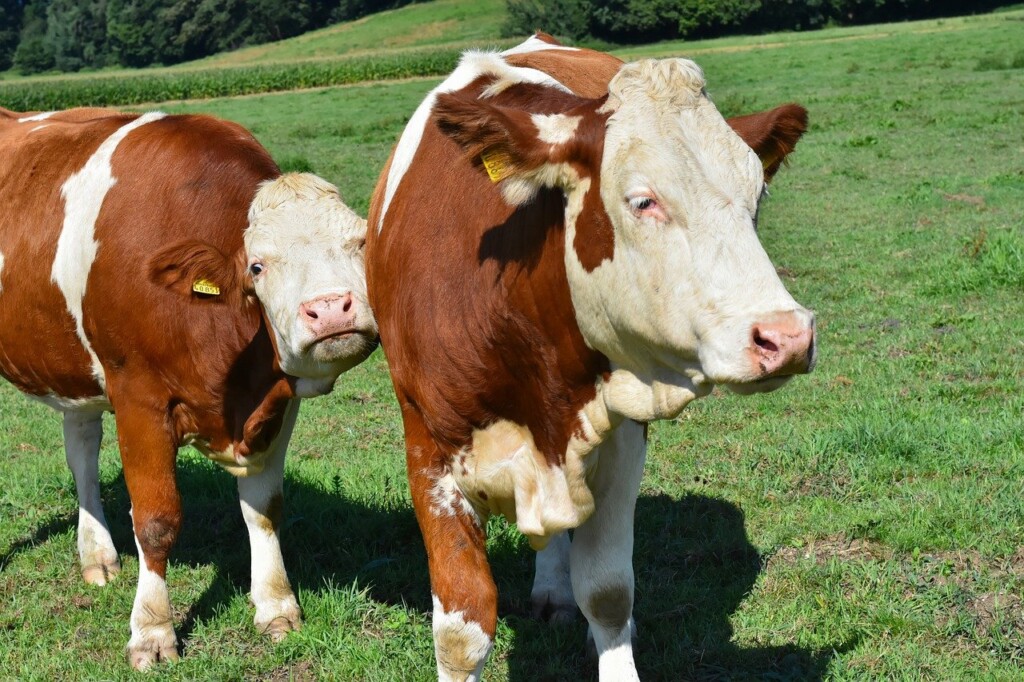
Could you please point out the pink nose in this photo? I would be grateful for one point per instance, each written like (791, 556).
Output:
(784, 345)
(329, 315)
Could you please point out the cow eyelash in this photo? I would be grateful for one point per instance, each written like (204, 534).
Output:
(641, 203)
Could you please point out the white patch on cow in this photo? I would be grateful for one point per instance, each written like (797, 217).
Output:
(601, 554)
(504, 463)
(698, 281)
(309, 247)
(152, 628)
(98, 403)
(473, 65)
(83, 431)
(83, 194)
(555, 128)
(458, 644)
(535, 44)
(448, 500)
(45, 125)
(276, 607)
(37, 117)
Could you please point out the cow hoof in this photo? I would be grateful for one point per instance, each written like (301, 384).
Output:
(547, 610)
(279, 627)
(100, 574)
(144, 654)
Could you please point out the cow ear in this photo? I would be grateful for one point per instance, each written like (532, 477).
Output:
(194, 268)
(772, 134)
(506, 144)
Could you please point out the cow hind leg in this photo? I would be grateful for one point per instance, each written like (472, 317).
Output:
(601, 557)
(277, 611)
(148, 458)
(464, 595)
(551, 597)
(83, 432)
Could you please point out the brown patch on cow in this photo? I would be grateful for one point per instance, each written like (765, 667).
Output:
(585, 72)
(772, 134)
(611, 606)
(180, 265)
(156, 536)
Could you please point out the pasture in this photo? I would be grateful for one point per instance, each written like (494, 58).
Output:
(865, 522)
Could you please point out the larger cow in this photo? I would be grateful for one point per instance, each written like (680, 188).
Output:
(562, 248)
(163, 268)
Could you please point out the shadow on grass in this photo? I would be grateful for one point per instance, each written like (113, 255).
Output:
(694, 566)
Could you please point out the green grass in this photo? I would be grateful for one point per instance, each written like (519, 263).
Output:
(430, 24)
(863, 523)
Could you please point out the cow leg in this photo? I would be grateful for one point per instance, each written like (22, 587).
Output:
(602, 551)
(83, 432)
(552, 597)
(148, 457)
(277, 611)
(465, 597)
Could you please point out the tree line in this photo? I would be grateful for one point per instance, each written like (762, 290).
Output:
(641, 21)
(69, 35)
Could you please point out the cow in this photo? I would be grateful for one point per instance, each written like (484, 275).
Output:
(561, 249)
(163, 268)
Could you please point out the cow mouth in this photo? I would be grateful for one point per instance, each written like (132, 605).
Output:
(766, 385)
(341, 336)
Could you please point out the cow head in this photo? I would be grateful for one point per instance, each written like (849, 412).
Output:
(665, 269)
(304, 259)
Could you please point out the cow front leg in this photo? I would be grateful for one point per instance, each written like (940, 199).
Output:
(262, 501)
(83, 432)
(551, 597)
(147, 457)
(601, 558)
(464, 595)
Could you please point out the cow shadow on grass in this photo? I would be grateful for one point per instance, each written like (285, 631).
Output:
(694, 567)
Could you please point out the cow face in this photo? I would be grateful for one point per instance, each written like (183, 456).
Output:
(665, 269)
(304, 251)
(688, 284)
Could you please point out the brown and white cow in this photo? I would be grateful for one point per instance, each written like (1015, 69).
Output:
(163, 268)
(561, 249)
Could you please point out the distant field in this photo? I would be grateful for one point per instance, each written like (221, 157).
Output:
(864, 523)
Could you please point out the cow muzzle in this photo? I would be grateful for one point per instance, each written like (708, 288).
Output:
(783, 345)
(330, 316)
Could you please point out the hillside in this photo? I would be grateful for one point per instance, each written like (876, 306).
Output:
(431, 24)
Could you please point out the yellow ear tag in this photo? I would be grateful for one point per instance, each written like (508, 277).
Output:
(205, 286)
(496, 164)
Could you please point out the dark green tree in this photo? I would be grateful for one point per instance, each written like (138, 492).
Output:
(76, 31)
(33, 53)
(10, 31)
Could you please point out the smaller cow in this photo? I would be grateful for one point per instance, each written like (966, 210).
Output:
(562, 248)
(162, 267)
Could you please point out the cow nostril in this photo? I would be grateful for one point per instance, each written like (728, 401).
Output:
(310, 313)
(348, 304)
(763, 343)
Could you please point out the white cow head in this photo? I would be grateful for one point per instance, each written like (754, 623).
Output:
(304, 255)
(666, 272)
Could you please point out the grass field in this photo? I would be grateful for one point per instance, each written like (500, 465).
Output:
(866, 522)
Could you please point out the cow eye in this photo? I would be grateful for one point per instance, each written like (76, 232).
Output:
(255, 268)
(642, 204)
